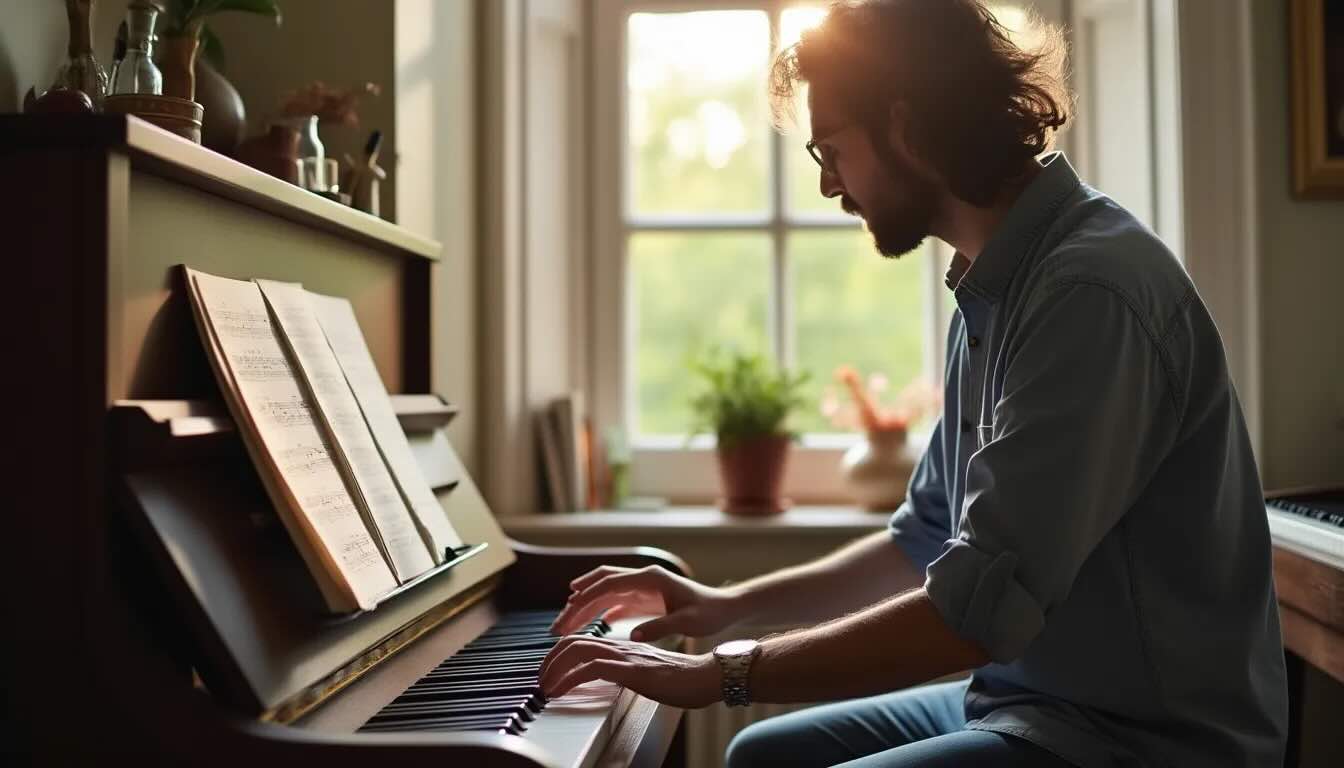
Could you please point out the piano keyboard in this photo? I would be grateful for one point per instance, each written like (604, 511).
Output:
(489, 685)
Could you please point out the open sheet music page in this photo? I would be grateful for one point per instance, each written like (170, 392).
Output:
(373, 489)
(267, 399)
(347, 341)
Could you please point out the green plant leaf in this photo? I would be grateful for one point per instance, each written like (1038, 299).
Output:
(743, 397)
(260, 7)
(212, 49)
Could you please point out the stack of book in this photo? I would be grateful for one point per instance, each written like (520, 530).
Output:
(298, 378)
(565, 443)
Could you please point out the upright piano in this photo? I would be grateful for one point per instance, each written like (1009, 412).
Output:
(155, 603)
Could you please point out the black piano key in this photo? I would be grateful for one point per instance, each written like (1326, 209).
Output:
(453, 710)
(527, 709)
(510, 723)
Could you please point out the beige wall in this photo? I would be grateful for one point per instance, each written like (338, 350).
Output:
(435, 71)
(1301, 275)
(32, 44)
(422, 47)
(343, 44)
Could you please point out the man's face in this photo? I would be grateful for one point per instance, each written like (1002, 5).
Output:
(880, 185)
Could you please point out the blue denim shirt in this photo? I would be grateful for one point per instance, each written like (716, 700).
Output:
(1089, 510)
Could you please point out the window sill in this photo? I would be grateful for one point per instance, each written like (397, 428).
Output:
(689, 475)
(701, 521)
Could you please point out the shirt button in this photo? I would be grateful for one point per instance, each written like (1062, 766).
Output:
(973, 342)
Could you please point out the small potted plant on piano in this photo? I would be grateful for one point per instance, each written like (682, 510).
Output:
(746, 404)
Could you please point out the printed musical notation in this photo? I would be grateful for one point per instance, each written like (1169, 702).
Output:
(337, 318)
(291, 450)
(372, 487)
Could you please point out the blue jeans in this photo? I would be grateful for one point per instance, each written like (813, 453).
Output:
(918, 726)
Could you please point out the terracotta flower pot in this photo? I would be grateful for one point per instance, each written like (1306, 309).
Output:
(177, 62)
(752, 475)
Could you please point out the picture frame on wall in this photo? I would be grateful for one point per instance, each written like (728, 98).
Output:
(1316, 28)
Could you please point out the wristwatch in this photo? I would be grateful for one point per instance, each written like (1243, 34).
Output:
(735, 657)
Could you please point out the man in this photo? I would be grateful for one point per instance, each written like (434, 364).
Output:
(1085, 531)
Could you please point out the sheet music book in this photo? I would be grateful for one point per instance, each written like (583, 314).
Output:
(347, 342)
(306, 426)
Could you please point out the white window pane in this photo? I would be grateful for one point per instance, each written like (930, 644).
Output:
(801, 174)
(691, 291)
(698, 121)
(852, 306)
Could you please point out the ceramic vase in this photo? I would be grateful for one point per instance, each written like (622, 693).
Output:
(751, 473)
(877, 470)
(225, 116)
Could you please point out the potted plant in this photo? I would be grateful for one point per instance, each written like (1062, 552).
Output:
(183, 30)
(746, 404)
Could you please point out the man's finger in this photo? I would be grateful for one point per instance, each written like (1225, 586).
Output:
(580, 612)
(657, 629)
(566, 656)
(618, 672)
(587, 579)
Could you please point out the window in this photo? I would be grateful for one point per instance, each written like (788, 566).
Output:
(710, 230)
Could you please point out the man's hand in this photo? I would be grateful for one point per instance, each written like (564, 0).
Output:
(678, 679)
(683, 606)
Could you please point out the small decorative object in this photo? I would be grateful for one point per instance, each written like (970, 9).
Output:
(81, 71)
(178, 116)
(877, 469)
(134, 71)
(184, 30)
(275, 152)
(364, 177)
(66, 101)
(746, 405)
(618, 469)
(312, 164)
(1317, 51)
(308, 107)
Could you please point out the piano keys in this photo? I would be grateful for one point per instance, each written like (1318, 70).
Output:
(491, 684)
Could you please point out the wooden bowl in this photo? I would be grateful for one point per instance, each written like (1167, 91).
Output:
(179, 116)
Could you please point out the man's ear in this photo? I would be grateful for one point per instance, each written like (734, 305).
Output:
(898, 137)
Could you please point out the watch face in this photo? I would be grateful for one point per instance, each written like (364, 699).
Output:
(736, 647)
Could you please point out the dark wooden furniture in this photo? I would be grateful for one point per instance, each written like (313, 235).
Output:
(153, 607)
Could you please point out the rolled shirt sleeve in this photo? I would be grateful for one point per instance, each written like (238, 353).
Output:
(1079, 428)
(923, 523)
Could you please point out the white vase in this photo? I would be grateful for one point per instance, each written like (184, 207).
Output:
(877, 470)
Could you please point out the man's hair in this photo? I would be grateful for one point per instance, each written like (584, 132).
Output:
(980, 106)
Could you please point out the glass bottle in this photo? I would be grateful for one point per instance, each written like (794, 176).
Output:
(312, 164)
(81, 71)
(136, 72)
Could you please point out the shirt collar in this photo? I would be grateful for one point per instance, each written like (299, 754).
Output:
(1030, 214)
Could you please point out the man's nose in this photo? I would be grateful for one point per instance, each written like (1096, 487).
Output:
(830, 184)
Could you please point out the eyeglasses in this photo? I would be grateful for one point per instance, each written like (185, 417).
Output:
(824, 154)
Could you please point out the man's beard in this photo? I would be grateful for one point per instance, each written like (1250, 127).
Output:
(899, 227)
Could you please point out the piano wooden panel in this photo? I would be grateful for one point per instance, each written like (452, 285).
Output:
(260, 624)
(99, 208)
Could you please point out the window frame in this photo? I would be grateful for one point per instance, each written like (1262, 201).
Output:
(674, 469)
